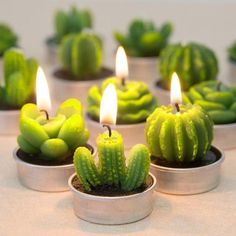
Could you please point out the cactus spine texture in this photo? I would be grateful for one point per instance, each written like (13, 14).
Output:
(192, 62)
(111, 169)
(183, 137)
(81, 54)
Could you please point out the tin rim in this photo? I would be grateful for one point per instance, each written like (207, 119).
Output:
(193, 169)
(66, 166)
(107, 198)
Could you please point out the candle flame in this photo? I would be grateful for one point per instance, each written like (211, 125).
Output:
(121, 63)
(42, 92)
(175, 91)
(108, 106)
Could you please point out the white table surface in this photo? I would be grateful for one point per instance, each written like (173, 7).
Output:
(27, 212)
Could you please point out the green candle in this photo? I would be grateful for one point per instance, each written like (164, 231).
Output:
(179, 133)
(51, 137)
(110, 144)
(135, 101)
(217, 99)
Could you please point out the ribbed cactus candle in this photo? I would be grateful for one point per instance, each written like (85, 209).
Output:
(179, 133)
(111, 169)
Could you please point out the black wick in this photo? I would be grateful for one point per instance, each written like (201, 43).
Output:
(109, 129)
(123, 81)
(46, 113)
(177, 107)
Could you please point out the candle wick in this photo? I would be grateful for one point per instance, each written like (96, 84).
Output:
(46, 113)
(177, 107)
(123, 81)
(109, 129)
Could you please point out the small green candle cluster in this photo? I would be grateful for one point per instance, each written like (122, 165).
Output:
(144, 39)
(216, 98)
(111, 168)
(73, 21)
(55, 138)
(81, 55)
(135, 102)
(8, 38)
(183, 136)
(193, 63)
(19, 79)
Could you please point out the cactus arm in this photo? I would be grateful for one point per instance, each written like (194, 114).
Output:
(61, 24)
(138, 167)
(86, 169)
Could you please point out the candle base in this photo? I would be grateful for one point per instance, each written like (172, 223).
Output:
(113, 210)
(43, 176)
(190, 178)
(163, 95)
(65, 86)
(143, 68)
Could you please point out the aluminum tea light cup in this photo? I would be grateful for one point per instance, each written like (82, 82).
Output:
(9, 122)
(64, 89)
(143, 68)
(162, 95)
(132, 133)
(113, 210)
(224, 136)
(51, 51)
(43, 178)
(191, 180)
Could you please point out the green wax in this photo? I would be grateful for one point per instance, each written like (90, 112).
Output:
(111, 157)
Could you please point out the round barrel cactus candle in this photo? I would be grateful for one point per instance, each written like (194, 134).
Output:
(193, 62)
(179, 133)
(51, 138)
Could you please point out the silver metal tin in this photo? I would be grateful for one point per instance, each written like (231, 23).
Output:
(132, 134)
(43, 178)
(51, 51)
(162, 95)
(143, 68)
(113, 210)
(9, 122)
(187, 181)
(224, 136)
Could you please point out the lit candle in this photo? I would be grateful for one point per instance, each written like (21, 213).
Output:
(42, 93)
(135, 101)
(110, 144)
(55, 137)
(175, 92)
(121, 65)
(184, 136)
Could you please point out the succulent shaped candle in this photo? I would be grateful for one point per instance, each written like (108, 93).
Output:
(179, 133)
(51, 138)
(111, 168)
(217, 99)
(135, 101)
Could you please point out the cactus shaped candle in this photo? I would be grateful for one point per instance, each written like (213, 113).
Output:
(51, 138)
(179, 138)
(114, 189)
(135, 101)
(111, 166)
(179, 133)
